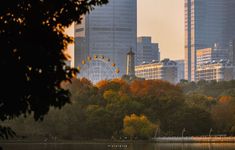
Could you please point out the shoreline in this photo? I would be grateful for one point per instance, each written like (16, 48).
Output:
(211, 139)
(104, 141)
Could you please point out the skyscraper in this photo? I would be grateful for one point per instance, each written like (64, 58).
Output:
(206, 22)
(146, 50)
(232, 52)
(180, 70)
(110, 30)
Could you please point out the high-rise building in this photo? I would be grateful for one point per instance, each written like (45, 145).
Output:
(163, 70)
(180, 70)
(206, 22)
(146, 50)
(215, 54)
(109, 30)
(232, 52)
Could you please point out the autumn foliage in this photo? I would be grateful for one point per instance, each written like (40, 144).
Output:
(139, 109)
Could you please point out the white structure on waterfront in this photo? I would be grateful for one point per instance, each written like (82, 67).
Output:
(109, 30)
(163, 70)
(219, 71)
(146, 50)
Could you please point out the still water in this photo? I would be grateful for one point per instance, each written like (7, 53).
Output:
(109, 146)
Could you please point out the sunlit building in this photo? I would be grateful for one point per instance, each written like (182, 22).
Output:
(206, 22)
(208, 55)
(162, 70)
(110, 31)
(146, 50)
(219, 71)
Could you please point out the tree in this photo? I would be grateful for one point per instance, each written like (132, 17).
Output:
(195, 120)
(138, 126)
(99, 122)
(199, 100)
(223, 114)
(32, 54)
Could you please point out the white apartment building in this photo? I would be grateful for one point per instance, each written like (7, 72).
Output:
(219, 71)
(163, 70)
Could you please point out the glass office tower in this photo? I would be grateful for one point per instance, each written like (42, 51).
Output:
(109, 30)
(206, 22)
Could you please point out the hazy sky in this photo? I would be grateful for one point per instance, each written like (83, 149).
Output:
(164, 21)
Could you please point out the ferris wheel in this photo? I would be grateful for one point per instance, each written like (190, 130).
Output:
(98, 68)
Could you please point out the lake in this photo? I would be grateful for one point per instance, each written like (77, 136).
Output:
(122, 146)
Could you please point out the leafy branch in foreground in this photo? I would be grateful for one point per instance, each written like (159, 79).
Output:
(33, 54)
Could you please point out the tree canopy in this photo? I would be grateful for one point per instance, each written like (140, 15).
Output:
(32, 54)
(138, 127)
(102, 111)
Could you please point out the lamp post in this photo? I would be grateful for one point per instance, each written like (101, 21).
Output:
(183, 132)
(156, 132)
(210, 132)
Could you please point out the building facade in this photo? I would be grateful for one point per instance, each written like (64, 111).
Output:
(219, 71)
(146, 50)
(109, 30)
(232, 52)
(130, 58)
(214, 54)
(206, 22)
(180, 70)
(163, 70)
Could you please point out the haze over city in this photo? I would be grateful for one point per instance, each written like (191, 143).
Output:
(163, 20)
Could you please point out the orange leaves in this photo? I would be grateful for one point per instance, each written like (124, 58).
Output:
(138, 126)
(102, 83)
(153, 87)
(225, 99)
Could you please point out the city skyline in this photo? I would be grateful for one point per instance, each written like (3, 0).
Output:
(109, 31)
(163, 20)
(206, 23)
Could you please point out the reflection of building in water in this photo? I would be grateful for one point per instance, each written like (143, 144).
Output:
(163, 70)
(109, 30)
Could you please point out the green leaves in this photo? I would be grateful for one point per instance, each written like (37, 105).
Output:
(33, 54)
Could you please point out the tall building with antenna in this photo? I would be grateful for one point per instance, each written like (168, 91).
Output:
(109, 30)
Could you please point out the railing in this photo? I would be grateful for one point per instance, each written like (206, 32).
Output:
(212, 139)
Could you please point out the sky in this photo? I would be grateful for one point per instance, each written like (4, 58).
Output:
(163, 20)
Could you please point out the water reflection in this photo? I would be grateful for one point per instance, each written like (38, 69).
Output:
(122, 146)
